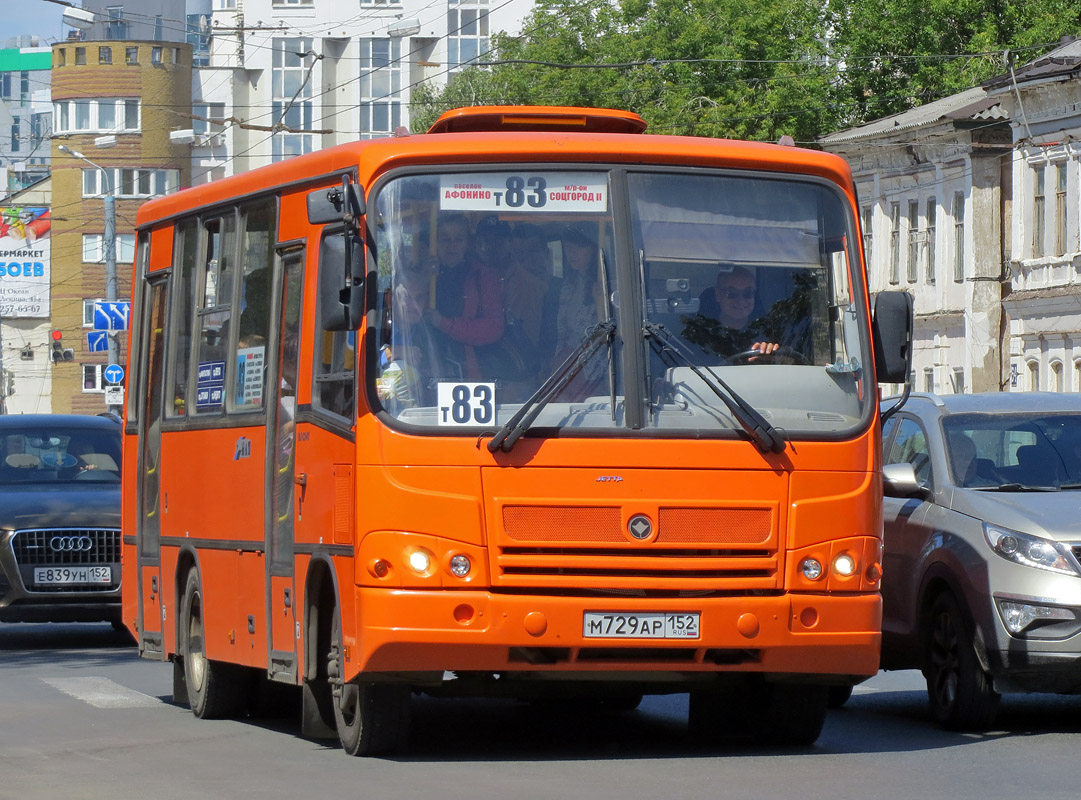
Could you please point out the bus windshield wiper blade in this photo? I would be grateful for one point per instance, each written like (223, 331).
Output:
(518, 424)
(766, 437)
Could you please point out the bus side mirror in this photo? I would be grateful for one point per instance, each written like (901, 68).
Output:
(341, 307)
(892, 331)
(328, 205)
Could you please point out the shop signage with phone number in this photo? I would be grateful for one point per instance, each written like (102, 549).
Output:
(521, 191)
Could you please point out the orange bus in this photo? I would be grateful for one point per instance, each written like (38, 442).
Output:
(533, 405)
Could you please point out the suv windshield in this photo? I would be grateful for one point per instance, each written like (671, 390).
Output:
(491, 281)
(53, 455)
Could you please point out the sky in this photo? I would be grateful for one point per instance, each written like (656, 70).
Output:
(32, 17)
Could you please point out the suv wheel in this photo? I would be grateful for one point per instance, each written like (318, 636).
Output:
(961, 693)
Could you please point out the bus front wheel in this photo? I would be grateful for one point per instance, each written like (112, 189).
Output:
(215, 689)
(371, 718)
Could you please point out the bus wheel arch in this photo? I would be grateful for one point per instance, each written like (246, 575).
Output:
(320, 602)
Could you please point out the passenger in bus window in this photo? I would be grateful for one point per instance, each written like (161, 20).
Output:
(581, 298)
(468, 305)
(531, 292)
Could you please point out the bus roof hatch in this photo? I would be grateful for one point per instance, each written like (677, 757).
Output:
(538, 118)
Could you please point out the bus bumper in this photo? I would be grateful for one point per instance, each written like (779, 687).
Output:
(398, 630)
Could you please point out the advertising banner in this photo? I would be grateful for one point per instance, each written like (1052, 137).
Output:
(24, 261)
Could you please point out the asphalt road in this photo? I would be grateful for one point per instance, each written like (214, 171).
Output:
(83, 718)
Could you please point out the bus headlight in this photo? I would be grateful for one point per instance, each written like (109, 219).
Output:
(844, 565)
(460, 566)
(420, 561)
(811, 569)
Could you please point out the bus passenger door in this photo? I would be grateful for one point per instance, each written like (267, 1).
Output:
(281, 467)
(148, 530)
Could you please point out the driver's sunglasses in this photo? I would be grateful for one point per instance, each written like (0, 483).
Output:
(739, 294)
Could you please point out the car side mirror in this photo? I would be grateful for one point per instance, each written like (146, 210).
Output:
(899, 480)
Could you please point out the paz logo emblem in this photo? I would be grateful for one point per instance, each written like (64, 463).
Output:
(640, 527)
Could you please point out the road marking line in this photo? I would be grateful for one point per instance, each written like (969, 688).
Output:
(102, 692)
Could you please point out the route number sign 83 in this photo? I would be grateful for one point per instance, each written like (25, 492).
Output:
(465, 403)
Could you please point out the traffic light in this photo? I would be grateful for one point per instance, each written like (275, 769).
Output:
(59, 352)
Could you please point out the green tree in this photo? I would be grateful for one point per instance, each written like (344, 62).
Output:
(750, 69)
(899, 54)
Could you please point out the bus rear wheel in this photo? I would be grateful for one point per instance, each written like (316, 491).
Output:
(216, 690)
(372, 719)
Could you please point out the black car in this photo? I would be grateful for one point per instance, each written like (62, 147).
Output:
(59, 518)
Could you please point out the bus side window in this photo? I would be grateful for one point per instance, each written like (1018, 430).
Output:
(187, 237)
(334, 355)
(253, 322)
(213, 310)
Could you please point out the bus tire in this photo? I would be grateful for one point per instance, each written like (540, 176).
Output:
(788, 714)
(372, 719)
(215, 690)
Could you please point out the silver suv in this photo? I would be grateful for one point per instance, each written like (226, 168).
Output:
(981, 583)
(59, 518)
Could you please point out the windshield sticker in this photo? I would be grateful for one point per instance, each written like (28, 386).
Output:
(524, 191)
(465, 403)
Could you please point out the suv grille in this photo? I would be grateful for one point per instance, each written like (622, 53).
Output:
(67, 546)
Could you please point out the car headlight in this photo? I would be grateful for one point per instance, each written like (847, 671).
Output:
(1031, 551)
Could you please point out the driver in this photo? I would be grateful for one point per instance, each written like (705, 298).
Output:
(724, 324)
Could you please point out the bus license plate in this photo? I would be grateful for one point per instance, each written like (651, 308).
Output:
(62, 576)
(650, 625)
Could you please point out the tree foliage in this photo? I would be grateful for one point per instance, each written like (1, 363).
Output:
(752, 69)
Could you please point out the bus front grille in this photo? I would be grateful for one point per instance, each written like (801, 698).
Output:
(718, 549)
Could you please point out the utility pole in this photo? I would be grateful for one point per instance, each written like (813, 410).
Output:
(110, 246)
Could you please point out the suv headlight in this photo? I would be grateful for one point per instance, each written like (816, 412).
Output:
(1031, 551)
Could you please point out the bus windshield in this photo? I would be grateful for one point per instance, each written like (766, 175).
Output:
(590, 293)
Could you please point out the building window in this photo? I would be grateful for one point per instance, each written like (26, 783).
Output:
(197, 36)
(88, 311)
(930, 229)
(15, 126)
(895, 242)
(131, 55)
(1033, 376)
(110, 115)
(24, 87)
(928, 379)
(116, 28)
(292, 2)
(467, 32)
(1077, 376)
(208, 118)
(292, 63)
(913, 240)
(224, 5)
(155, 54)
(94, 248)
(958, 380)
(1038, 210)
(1061, 212)
(105, 55)
(1056, 376)
(137, 183)
(158, 30)
(959, 237)
(92, 380)
(380, 87)
(61, 57)
(80, 56)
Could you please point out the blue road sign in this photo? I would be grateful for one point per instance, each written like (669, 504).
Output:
(114, 373)
(111, 316)
(97, 341)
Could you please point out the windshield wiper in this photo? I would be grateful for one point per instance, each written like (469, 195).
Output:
(1020, 487)
(518, 424)
(766, 437)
